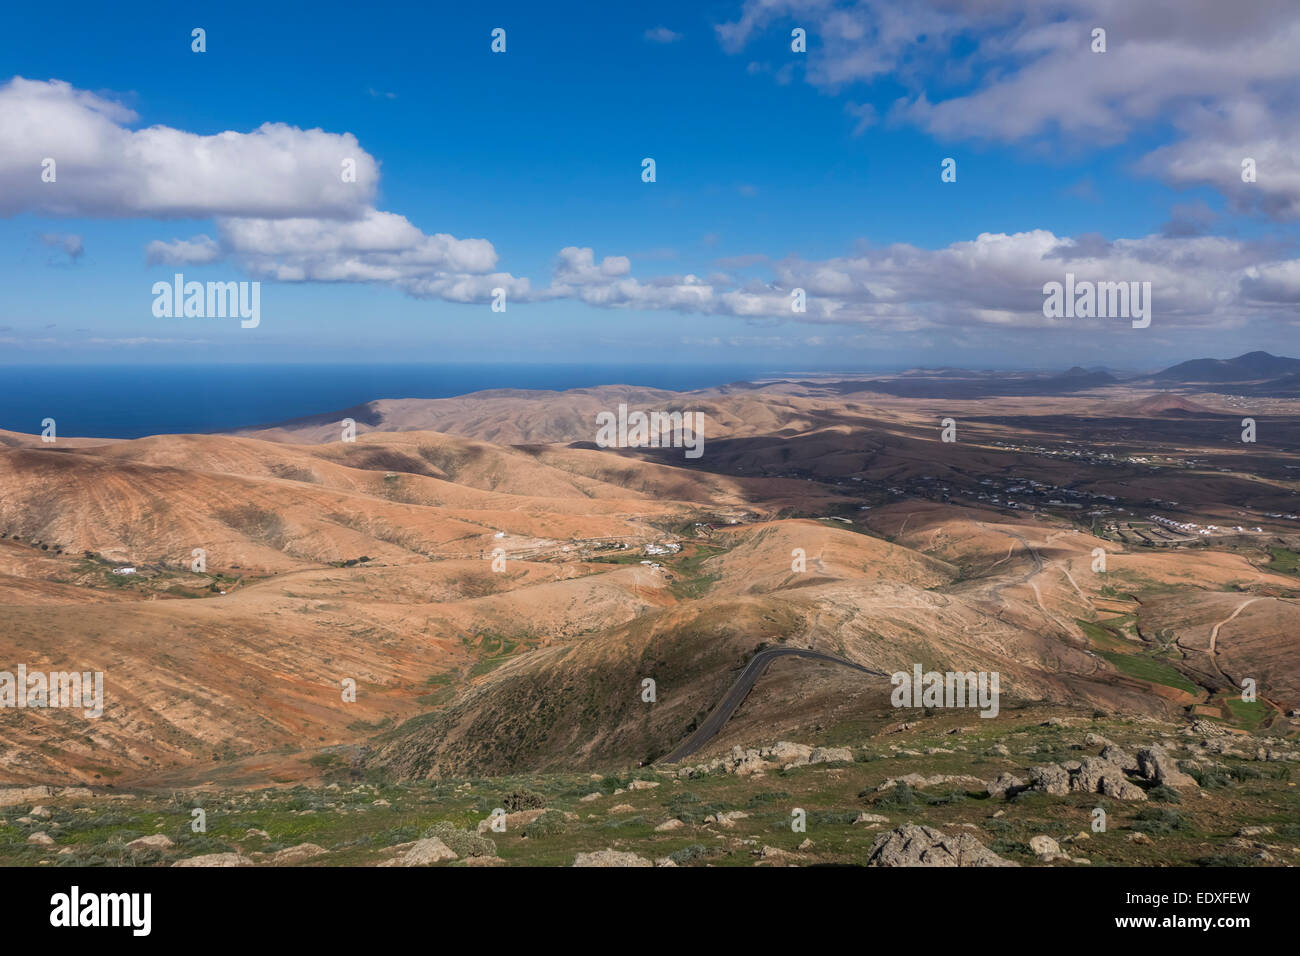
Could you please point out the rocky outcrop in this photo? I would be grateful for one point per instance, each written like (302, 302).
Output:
(1089, 775)
(216, 859)
(1120, 758)
(610, 858)
(1157, 765)
(13, 796)
(1096, 775)
(938, 779)
(913, 845)
(1051, 778)
(780, 756)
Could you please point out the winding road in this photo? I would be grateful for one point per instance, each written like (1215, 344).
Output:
(739, 690)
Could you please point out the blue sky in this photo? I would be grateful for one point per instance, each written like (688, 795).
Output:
(768, 177)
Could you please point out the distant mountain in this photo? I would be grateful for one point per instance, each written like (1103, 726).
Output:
(1251, 367)
(1162, 405)
(946, 383)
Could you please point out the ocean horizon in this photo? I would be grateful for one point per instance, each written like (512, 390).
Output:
(133, 401)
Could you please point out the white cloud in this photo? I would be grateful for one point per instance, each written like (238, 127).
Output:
(200, 249)
(993, 281)
(106, 170)
(1226, 73)
(277, 195)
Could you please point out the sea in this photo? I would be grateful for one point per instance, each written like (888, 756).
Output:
(132, 401)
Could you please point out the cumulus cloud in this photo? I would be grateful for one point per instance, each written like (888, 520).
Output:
(378, 247)
(177, 252)
(995, 280)
(1219, 140)
(104, 169)
(282, 207)
(1225, 72)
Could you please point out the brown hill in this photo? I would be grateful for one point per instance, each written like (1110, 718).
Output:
(374, 561)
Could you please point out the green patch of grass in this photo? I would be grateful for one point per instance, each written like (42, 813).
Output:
(1147, 668)
(1247, 714)
(1284, 561)
(1158, 820)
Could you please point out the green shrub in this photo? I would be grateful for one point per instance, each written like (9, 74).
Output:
(694, 852)
(550, 823)
(518, 800)
(1158, 820)
(461, 842)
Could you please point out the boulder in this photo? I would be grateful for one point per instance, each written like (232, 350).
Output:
(1047, 849)
(156, 841)
(1005, 785)
(1156, 764)
(1050, 778)
(1120, 758)
(422, 853)
(785, 752)
(297, 854)
(831, 755)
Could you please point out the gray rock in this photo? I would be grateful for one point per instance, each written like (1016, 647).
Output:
(1157, 765)
(610, 857)
(156, 841)
(831, 755)
(1050, 778)
(216, 859)
(421, 853)
(872, 818)
(1004, 785)
(297, 854)
(1120, 758)
(1046, 849)
(785, 752)
(913, 845)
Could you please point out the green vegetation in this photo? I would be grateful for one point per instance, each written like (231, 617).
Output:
(367, 823)
(1132, 659)
(1149, 669)
(1284, 561)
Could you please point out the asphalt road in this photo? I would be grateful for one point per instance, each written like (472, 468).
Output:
(738, 691)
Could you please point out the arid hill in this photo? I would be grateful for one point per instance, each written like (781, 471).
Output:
(499, 588)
